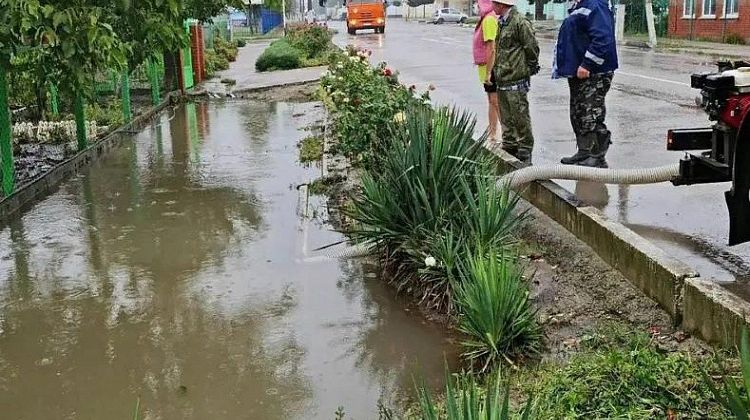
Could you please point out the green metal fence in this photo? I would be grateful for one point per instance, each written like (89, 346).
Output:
(113, 94)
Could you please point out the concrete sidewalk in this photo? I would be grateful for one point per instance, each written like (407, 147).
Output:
(548, 29)
(243, 73)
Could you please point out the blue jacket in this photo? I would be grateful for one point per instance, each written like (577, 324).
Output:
(587, 39)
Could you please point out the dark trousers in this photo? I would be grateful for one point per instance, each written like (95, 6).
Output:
(588, 111)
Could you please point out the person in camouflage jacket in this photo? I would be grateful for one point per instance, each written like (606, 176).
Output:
(517, 60)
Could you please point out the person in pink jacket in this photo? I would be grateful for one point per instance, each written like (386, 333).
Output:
(484, 57)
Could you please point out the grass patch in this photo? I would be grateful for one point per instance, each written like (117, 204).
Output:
(620, 373)
(324, 186)
(310, 149)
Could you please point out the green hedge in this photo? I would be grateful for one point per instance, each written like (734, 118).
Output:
(280, 55)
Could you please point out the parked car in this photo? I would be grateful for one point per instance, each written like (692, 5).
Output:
(449, 15)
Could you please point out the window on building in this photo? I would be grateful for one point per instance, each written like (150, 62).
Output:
(709, 8)
(688, 8)
(731, 8)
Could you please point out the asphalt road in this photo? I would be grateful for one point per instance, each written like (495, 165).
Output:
(650, 94)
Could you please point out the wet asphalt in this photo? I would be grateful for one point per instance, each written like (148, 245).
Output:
(650, 94)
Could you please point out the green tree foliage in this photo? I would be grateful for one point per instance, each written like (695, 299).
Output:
(147, 27)
(17, 19)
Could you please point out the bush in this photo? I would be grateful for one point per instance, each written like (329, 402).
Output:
(214, 62)
(239, 42)
(364, 101)
(225, 49)
(108, 113)
(310, 40)
(734, 38)
(279, 56)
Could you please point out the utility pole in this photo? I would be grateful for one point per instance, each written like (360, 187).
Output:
(283, 15)
(650, 24)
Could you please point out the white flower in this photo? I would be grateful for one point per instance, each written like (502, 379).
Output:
(339, 66)
(399, 118)
(430, 261)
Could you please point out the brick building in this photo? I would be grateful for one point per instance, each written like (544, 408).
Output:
(716, 20)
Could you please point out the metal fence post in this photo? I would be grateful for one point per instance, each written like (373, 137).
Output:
(153, 77)
(80, 116)
(6, 146)
(127, 113)
(54, 101)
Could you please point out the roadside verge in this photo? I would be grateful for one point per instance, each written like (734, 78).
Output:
(697, 305)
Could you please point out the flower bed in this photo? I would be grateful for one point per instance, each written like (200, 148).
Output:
(38, 148)
(428, 205)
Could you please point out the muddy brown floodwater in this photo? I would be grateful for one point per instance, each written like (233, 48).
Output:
(171, 273)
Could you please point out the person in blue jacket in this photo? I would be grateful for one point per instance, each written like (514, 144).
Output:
(586, 54)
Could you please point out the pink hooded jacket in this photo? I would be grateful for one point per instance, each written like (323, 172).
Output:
(480, 50)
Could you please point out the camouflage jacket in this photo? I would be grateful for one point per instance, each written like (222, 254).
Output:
(517, 50)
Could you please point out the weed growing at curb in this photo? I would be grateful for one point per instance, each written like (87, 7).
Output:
(310, 149)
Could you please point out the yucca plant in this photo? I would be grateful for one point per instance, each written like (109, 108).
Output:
(467, 400)
(495, 310)
(730, 396)
(416, 183)
(432, 194)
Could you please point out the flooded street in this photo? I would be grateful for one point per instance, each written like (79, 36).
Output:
(171, 275)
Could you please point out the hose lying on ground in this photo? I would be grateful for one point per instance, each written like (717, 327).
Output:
(342, 250)
(523, 176)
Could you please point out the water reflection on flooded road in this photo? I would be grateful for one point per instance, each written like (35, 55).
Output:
(170, 272)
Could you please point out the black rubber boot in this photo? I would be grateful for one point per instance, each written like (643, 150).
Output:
(594, 161)
(597, 151)
(584, 145)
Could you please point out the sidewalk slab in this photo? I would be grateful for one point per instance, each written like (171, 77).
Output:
(247, 79)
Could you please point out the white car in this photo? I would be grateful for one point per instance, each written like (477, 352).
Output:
(449, 15)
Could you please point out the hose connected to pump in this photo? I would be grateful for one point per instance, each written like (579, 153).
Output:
(523, 176)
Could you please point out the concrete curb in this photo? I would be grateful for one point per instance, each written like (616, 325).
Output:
(254, 89)
(45, 184)
(697, 305)
(714, 313)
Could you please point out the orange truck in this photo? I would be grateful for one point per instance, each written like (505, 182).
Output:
(365, 14)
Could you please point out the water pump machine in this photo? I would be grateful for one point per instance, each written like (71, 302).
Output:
(724, 147)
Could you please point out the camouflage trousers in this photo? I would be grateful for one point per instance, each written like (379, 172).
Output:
(587, 110)
(515, 120)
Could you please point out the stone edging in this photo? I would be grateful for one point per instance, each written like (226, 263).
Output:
(698, 305)
(45, 184)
